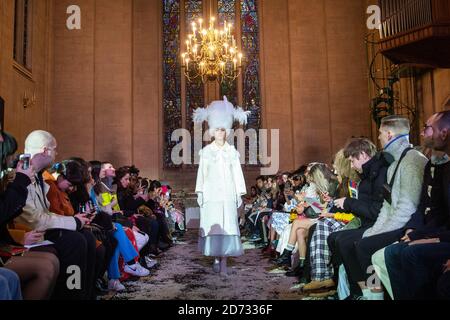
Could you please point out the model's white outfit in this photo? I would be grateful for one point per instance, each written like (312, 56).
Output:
(220, 185)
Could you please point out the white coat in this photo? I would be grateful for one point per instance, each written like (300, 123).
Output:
(220, 185)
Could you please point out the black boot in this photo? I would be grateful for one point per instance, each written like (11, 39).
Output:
(297, 271)
(285, 258)
(154, 250)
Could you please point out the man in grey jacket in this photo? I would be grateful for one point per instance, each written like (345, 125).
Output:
(426, 244)
(405, 176)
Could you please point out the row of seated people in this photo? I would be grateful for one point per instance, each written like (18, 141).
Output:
(366, 226)
(77, 229)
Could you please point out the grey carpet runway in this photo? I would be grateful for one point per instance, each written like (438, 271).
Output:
(184, 274)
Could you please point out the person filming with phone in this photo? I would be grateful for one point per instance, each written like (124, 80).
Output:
(72, 246)
(37, 271)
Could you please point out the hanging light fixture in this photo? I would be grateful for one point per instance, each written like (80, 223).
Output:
(211, 54)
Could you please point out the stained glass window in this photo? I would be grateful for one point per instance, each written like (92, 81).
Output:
(171, 75)
(195, 93)
(250, 47)
(227, 12)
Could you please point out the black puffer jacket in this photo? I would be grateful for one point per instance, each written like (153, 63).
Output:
(127, 203)
(12, 202)
(434, 222)
(370, 191)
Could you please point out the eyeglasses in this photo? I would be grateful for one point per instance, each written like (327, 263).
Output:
(425, 127)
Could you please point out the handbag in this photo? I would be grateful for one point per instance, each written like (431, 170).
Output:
(99, 233)
(355, 223)
(311, 213)
(8, 251)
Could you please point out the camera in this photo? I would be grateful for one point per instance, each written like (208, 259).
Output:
(25, 158)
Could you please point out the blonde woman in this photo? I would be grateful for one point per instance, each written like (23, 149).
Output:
(322, 182)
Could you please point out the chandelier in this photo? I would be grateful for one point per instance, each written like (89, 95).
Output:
(211, 54)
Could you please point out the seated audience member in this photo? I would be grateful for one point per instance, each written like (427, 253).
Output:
(122, 244)
(443, 284)
(425, 246)
(251, 197)
(37, 271)
(153, 203)
(280, 222)
(129, 203)
(262, 207)
(362, 155)
(104, 174)
(64, 179)
(70, 245)
(405, 176)
(324, 182)
(9, 285)
(176, 217)
(105, 198)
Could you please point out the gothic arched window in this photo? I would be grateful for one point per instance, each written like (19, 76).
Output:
(181, 97)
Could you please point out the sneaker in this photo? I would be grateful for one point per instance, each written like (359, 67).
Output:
(151, 263)
(115, 285)
(100, 287)
(136, 270)
(277, 271)
(297, 286)
(260, 245)
(255, 238)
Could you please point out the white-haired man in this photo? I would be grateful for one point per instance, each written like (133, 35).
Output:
(36, 215)
(73, 248)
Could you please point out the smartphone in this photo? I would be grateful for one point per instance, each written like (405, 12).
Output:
(25, 158)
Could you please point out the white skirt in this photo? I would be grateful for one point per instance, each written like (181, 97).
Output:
(220, 246)
(219, 230)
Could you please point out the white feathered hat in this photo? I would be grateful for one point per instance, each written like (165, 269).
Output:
(220, 114)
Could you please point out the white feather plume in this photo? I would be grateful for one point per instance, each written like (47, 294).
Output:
(241, 115)
(200, 115)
